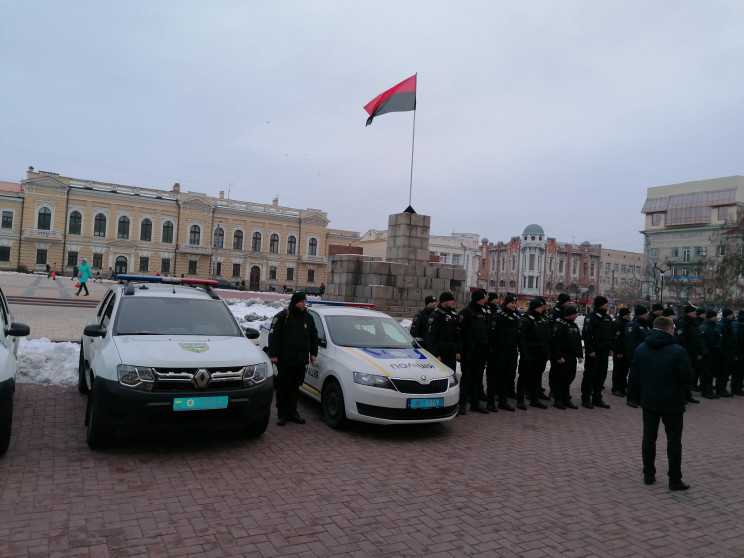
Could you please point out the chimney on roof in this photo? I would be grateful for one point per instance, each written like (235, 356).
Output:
(275, 201)
(222, 194)
(176, 187)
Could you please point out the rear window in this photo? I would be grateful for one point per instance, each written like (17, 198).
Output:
(174, 316)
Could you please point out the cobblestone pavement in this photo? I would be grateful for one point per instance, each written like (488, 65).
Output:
(529, 484)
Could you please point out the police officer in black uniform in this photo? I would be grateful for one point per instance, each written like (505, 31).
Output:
(556, 311)
(729, 354)
(711, 344)
(443, 333)
(598, 338)
(566, 350)
(534, 351)
(620, 361)
(686, 333)
(421, 319)
(474, 325)
(503, 339)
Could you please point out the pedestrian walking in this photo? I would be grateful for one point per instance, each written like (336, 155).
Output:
(83, 275)
(74, 273)
(293, 342)
(566, 350)
(659, 376)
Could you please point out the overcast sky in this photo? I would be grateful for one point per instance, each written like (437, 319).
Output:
(560, 113)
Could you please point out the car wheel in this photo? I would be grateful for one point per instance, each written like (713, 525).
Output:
(334, 410)
(82, 379)
(255, 428)
(97, 434)
(6, 421)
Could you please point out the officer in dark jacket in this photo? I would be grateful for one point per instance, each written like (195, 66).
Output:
(421, 319)
(711, 346)
(565, 351)
(598, 339)
(659, 376)
(737, 378)
(729, 354)
(686, 332)
(636, 331)
(503, 340)
(474, 325)
(533, 338)
(556, 311)
(293, 342)
(620, 361)
(443, 333)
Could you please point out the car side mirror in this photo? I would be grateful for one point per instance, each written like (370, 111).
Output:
(94, 330)
(17, 329)
(252, 333)
(322, 343)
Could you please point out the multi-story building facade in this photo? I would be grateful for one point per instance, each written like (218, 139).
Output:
(685, 226)
(621, 275)
(56, 220)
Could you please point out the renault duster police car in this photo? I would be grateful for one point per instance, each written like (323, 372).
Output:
(163, 350)
(10, 331)
(370, 369)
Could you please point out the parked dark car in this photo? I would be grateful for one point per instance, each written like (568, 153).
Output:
(225, 284)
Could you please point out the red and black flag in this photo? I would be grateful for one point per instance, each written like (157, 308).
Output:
(400, 98)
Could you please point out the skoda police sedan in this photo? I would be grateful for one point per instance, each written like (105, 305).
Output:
(370, 369)
(168, 351)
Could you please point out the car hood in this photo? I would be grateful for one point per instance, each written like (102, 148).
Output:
(395, 363)
(187, 351)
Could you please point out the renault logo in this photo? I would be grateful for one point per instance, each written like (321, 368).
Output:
(202, 378)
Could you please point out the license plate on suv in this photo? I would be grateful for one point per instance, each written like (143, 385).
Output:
(199, 403)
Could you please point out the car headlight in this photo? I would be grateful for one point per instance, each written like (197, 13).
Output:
(372, 380)
(137, 377)
(255, 374)
(453, 380)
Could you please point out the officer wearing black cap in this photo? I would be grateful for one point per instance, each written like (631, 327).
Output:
(729, 354)
(635, 334)
(598, 339)
(293, 342)
(565, 351)
(557, 311)
(421, 319)
(620, 361)
(503, 340)
(710, 349)
(657, 309)
(686, 333)
(737, 377)
(534, 351)
(474, 325)
(443, 333)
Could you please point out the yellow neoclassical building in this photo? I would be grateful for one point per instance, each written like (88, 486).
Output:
(57, 220)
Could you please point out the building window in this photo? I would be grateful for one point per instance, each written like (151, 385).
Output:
(607, 267)
(723, 213)
(686, 255)
(72, 259)
(561, 263)
(656, 219)
(238, 240)
(291, 245)
(41, 256)
(99, 225)
(290, 274)
(219, 238)
(194, 237)
(144, 263)
(722, 250)
(274, 244)
(122, 230)
(4, 253)
(236, 270)
(531, 265)
(312, 247)
(455, 259)
(218, 269)
(98, 261)
(310, 275)
(256, 242)
(44, 222)
(75, 223)
(192, 267)
(146, 230)
(272, 272)
(7, 220)
(653, 252)
(530, 282)
(167, 232)
(165, 265)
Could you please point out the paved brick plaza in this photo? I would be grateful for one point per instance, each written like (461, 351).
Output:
(540, 483)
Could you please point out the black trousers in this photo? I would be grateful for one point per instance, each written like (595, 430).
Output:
(83, 286)
(501, 371)
(620, 367)
(561, 377)
(472, 365)
(708, 367)
(288, 382)
(673, 423)
(595, 374)
(530, 377)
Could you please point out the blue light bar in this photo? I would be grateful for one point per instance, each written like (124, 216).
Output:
(333, 303)
(147, 278)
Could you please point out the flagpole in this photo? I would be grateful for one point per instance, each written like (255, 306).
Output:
(413, 143)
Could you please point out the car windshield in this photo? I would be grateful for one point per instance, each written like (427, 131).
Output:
(174, 316)
(361, 331)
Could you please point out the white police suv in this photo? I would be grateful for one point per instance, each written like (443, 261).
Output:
(10, 331)
(168, 351)
(370, 369)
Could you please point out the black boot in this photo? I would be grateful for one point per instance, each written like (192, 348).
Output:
(504, 405)
(586, 403)
(478, 407)
(520, 405)
(491, 406)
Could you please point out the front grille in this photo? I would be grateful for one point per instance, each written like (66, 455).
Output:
(415, 387)
(189, 379)
(387, 413)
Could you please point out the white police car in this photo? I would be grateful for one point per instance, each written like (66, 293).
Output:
(370, 369)
(10, 331)
(163, 350)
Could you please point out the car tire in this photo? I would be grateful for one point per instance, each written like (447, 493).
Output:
(82, 379)
(6, 421)
(98, 433)
(254, 428)
(334, 409)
